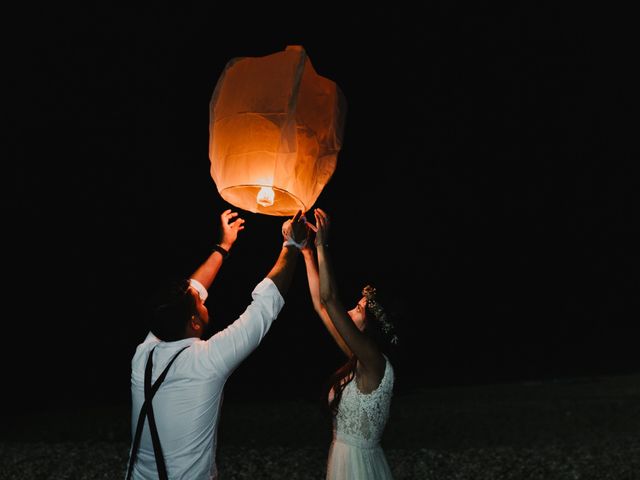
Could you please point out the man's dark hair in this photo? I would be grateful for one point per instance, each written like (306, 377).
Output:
(172, 311)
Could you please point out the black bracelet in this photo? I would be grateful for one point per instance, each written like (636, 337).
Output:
(222, 251)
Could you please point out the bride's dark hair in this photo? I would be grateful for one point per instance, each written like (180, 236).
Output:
(338, 381)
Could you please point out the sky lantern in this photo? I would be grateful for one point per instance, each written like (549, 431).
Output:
(275, 131)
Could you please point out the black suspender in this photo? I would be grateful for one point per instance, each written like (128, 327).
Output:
(147, 411)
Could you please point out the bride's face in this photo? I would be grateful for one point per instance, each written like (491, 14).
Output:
(359, 314)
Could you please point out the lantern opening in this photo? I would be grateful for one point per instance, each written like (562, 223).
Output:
(265, 196)
(248, 196)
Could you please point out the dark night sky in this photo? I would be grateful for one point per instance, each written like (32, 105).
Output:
(488, 177)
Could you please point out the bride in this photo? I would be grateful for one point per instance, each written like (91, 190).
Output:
(360, 391)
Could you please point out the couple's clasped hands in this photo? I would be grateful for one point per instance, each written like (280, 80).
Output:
(297, 230)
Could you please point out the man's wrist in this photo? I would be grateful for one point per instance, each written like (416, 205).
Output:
(221, 250)
(291, 242)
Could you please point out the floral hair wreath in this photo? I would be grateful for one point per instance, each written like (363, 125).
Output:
(378, 312)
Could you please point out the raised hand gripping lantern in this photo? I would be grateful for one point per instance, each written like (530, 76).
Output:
(275, 131)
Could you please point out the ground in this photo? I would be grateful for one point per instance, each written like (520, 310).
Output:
(570, 429)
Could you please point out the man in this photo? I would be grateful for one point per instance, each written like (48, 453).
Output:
(177, 378)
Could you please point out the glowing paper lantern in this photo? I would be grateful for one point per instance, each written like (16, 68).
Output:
(275, 131)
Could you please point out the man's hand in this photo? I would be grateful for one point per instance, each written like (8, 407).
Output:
(295, 230)
(300, 232)
(229, 229)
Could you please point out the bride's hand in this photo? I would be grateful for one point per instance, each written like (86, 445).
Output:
(322, 225)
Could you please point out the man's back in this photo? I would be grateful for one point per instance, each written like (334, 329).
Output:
(186, 406)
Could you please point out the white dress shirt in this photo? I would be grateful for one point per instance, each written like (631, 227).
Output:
(187, 404)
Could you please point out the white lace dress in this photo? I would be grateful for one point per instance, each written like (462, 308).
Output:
(355, 453)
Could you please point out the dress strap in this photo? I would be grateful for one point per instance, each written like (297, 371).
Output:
(147, 411)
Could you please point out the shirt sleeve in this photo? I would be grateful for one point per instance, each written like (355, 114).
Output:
(229, 347)
(202, 292)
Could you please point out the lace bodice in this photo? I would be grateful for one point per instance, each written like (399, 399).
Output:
(361, 416)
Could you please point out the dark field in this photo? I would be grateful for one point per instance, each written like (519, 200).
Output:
(570, 429)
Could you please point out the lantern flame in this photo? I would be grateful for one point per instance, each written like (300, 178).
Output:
(265, 196)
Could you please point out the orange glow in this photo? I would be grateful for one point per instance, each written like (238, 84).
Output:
(275, 132)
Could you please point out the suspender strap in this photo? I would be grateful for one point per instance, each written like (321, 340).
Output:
(147, 411)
